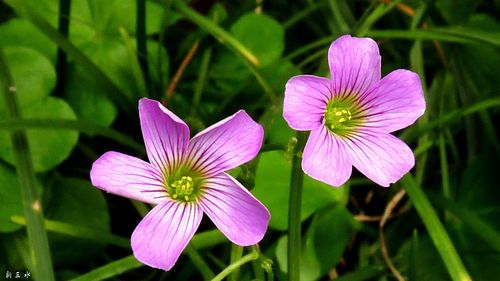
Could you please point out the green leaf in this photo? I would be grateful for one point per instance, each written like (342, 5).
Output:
(112, 57)
(430, 265)
(337, 223)
(262, 35)
(87, 98)
(48, 148)
(69, 197)
(33, 74)
(13, 34)
(227, 75)
(275, 75)
(309, 265)
(109, 16)
(10, 199)
(272, 185)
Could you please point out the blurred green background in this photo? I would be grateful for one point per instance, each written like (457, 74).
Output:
(80, 66)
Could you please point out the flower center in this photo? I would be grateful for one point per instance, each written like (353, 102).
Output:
(183, 187)
(337, 117)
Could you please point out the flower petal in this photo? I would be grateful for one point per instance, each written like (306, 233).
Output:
(325, 158)
(128, 176)
(226, 144)
(164, 232)
(165, 135)
(234, 210)
(380, 156)
(305, 102)
(354, 64)
(395, 102)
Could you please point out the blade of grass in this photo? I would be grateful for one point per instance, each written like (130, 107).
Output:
(339, 17)
(373, 17)
(202, 78)
(450, 117)
(412, 272)
(80, 232)
(77, 125)
(199, 241)
(417, 65)
(443, 160)
(473, 34)
(436, 230)
(39, 245)
(199, 262)
(111, 269)
(440, 34)
(470, 220)
(113, 92)
(213, 29)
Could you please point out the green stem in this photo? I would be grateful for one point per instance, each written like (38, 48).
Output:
(236, 253)
(235, 265)
(213, 29)
(142, 51)
(294, 231)
(39, 244)
(199, 262)
(436, 230)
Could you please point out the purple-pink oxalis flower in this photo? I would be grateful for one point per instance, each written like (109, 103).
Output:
(352, 114)
(184, 179)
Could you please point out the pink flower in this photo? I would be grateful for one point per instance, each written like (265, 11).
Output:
(185, 178)
(351, 115)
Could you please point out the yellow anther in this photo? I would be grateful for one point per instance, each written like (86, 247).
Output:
(342, 119)
(174, 196)
(186, 198)
(338, 113)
